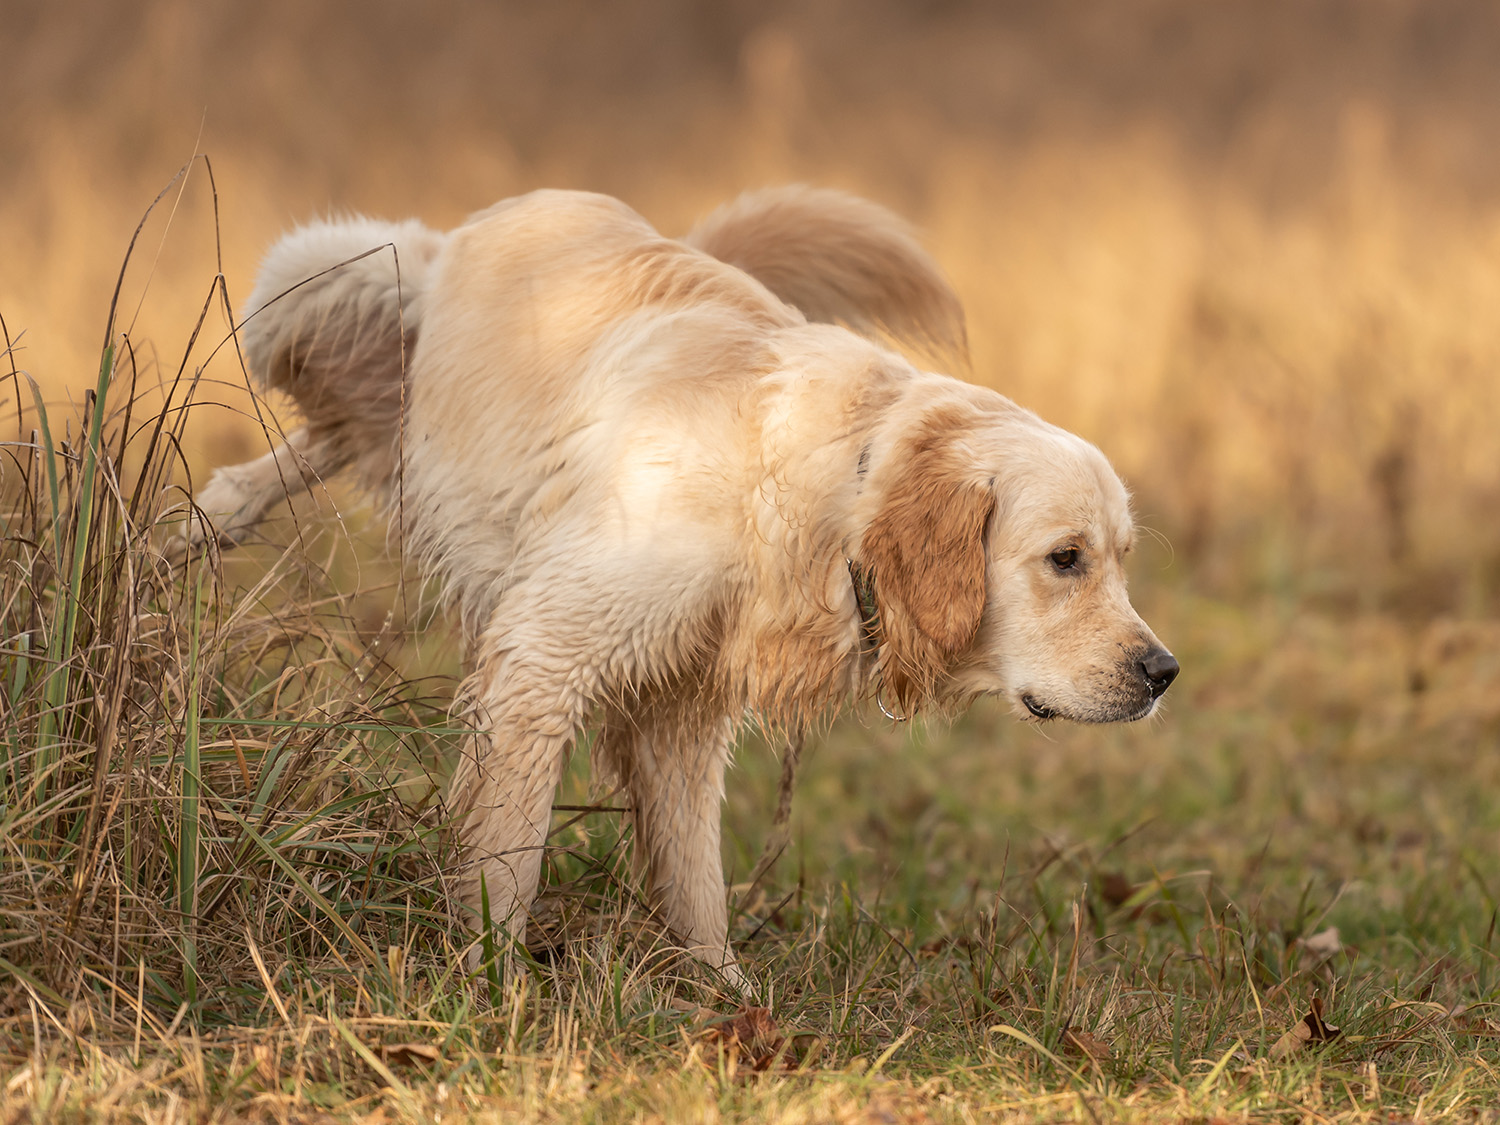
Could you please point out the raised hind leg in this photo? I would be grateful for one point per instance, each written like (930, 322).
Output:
(237, 497)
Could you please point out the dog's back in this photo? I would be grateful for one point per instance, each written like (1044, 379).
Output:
(339, 311)
(337, 307)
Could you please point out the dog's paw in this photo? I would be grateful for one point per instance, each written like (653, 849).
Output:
(217, 519)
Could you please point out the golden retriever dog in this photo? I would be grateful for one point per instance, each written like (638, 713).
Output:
(672, 484)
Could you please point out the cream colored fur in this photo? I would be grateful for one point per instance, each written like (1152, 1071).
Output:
(647, 478)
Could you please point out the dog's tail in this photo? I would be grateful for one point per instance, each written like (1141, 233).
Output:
(840, 259)
(332, 320)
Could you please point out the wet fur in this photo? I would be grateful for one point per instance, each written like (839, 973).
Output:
(644, 470)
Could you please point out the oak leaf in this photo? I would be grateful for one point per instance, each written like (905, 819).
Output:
(409, 1054)
(1310, 1031)
(750, 1038)
(1077, 1041)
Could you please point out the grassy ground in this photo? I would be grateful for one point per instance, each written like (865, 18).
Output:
(222, 857)
(1250, 249)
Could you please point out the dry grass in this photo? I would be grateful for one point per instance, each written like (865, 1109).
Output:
(1265, 290)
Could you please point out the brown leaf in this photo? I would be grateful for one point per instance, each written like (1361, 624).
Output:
(1076, 1041)
(1324, 943)
(267, 1065)
(749, 1038)
(1117, 892)
(1310, 1031)
(409, 1054)
(1115, 889)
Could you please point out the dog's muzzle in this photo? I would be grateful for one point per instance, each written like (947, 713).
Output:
(1134, 697)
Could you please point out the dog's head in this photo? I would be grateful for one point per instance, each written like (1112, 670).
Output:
(997, 556)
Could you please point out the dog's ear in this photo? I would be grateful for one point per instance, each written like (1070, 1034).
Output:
(925, 551)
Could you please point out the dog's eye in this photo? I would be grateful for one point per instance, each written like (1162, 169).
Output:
(1065, 558)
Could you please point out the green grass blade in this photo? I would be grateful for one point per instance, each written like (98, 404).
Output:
(325, 907)
(60, 647)
(49, 462)
(187, 843)
(56, 689)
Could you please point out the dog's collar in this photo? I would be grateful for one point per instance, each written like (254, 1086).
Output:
(862, 578)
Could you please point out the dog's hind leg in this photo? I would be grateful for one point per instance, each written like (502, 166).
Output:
(236, 498)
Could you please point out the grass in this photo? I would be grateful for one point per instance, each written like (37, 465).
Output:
(223, 849)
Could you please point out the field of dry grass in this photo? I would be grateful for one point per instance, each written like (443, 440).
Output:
(1251, 250)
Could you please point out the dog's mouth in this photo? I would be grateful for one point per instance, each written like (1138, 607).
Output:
(1037, 708)
(1040, 710)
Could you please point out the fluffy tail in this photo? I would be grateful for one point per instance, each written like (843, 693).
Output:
(332, 320)
(840, 259)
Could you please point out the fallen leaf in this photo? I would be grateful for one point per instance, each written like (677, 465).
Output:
(1310, 1031)
(1076, 1041)
(1115, 889)
(1119, 893)
(1324, 943)
(409, 1054)
(267, 1067)
(750, 1038)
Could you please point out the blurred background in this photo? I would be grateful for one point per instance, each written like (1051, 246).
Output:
(1250, 248)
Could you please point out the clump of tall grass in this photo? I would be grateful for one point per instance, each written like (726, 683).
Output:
(192, 777)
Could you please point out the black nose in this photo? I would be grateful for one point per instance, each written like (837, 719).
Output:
(1161, 669)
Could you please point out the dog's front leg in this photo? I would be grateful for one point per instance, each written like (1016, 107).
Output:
(672, 757)
(526, 707)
